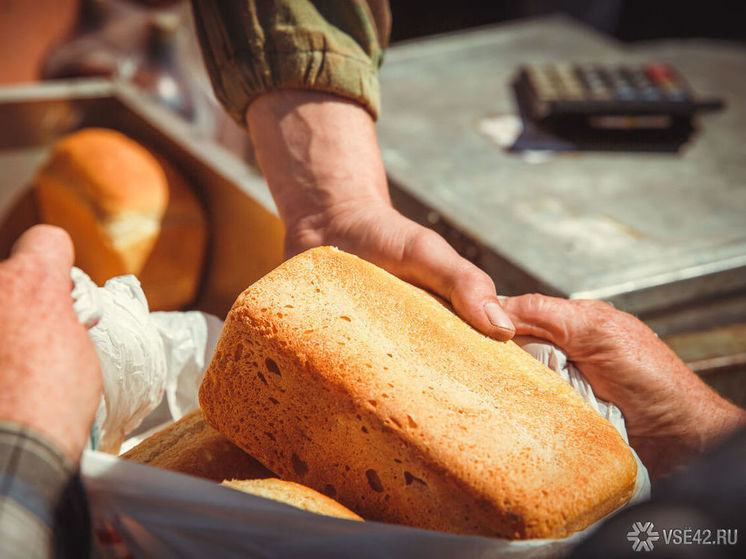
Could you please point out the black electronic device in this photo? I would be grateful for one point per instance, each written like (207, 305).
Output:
(603, 106)
(556, 91)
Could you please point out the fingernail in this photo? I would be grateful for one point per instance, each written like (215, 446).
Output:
(497, 317)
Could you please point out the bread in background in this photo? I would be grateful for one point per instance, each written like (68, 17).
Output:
(128, 211)
(109, 193)
(293, 494)
(173, 272)
(337, 375)
(192, 447)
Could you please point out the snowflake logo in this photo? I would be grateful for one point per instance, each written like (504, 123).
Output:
(643, 536)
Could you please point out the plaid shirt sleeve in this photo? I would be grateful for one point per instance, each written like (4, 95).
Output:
(43, 506)
(254, 46)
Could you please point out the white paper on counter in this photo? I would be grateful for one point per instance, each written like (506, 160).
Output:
(158, 514)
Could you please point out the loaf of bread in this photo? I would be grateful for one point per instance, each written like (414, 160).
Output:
(335, 374)
(127, 213)
(110, 194)
(293, 494)
(192, 447)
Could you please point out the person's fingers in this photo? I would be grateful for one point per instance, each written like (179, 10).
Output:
(50, 246)
(435, 265)
(550, 318)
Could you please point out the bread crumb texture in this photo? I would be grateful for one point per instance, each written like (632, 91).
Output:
(337, 375)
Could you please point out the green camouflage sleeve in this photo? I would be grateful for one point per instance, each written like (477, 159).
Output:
(254, 46)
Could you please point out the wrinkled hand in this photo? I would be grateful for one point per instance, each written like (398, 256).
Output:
(320, 156)
(671, 414)
(50, 378)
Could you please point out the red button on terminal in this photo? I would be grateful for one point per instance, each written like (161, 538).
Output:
(659, 72)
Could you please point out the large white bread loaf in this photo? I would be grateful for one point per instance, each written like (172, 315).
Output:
(335, 374)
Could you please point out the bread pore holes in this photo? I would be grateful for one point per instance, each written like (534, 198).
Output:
(272, 366)
(409, 479)
(374, 481)
(299, 466)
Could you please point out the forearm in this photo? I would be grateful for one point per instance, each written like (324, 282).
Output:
(43, 508)
(716, 419)
(318, 152)
(683, 417)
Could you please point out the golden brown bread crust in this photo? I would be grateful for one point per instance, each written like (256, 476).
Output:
(109, 193)
(192, 447)
(172, 273)
(335, 374)
(111, 171)
(293, 494)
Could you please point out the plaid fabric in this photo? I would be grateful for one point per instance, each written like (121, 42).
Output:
(43, 507)
(254, 46)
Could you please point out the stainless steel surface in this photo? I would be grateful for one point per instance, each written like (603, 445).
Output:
(663, 236)
(246, 235)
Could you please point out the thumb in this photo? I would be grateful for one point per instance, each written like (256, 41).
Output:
(550, 318)
(435, 265)
(50, 246)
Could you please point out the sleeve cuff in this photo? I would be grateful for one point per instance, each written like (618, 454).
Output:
(42, 493)
(326, 71)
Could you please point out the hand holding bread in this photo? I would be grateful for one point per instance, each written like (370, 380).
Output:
(321, 159)
(670, 413)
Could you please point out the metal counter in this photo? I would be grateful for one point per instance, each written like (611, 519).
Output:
(659, 235)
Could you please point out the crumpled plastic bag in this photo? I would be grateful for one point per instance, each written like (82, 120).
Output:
(155, 513)
(143, 355)
(189, 340)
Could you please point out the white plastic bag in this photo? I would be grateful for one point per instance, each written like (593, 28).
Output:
(142, 355)
(163, 514)
(189, 340)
